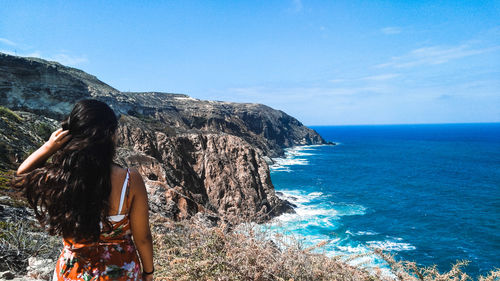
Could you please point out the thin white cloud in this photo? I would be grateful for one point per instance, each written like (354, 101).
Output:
(381, 77)
(365, 80)
(66, 59)
(62, 58)
(313, 92)
(435, 55)
(297, 5)
(35, 54)
(337, 80)
(6, 41)
(390, 30)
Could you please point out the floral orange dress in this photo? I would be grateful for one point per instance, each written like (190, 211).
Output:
(114, 257)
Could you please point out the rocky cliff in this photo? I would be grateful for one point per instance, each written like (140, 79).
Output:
(194, 155)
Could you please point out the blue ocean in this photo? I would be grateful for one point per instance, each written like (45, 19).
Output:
(427, 193)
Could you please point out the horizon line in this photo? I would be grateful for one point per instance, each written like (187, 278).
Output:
(394, 124)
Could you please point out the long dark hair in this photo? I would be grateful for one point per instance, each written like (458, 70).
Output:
(70, 194)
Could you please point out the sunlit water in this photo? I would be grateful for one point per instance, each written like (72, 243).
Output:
(429, 193)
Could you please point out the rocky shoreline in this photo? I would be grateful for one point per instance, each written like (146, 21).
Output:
(201, 160)
(206, 161)
(205, 165)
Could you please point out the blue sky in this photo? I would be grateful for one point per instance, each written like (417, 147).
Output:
(324, 62)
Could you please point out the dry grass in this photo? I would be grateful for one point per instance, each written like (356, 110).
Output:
(404, 270)
(186, 251)
(22, 240)
(192, 251)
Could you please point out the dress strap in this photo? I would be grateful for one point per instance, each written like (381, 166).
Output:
(124, 191)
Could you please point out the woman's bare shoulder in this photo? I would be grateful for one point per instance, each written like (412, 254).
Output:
(118, 173)
(115, 168)
(136, 182)
(135, 175)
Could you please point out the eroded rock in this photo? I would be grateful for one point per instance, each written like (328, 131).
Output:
(194, 155)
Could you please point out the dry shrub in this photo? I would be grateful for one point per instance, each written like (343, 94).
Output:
(190, 251)
(22, 240)
(184, 251)
(405, 270)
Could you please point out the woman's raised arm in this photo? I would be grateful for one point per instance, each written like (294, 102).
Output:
(38, 158)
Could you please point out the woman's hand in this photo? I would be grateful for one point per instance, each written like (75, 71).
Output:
(38, 158)
(57, 140)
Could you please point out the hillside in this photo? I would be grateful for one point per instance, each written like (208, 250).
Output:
(205, 164)
(194, 155)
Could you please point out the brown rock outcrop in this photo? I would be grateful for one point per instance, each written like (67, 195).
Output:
(50, 89)
(194, 155)
(220, 173)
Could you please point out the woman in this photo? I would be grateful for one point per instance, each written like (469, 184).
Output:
(95, 205)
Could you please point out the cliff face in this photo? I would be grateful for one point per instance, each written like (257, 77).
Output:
(263, 127)
(194, 155)
(50, 89)
(196, 172)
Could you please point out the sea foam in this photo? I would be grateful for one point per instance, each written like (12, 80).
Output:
(389, 245)
(317, 219)
(293, 156)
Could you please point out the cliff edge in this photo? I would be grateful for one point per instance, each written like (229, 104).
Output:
(195, 155)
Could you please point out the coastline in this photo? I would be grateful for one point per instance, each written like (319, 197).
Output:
(410, 180)
(308, 214)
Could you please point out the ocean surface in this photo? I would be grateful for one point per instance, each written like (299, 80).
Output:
(427, 193)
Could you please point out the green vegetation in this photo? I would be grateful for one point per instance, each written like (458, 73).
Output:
(143, 117)
(5, 161)
(4, 225)
(43, 130)
(17, 202)
(5, 178)
(9, 114)
(14, 197)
